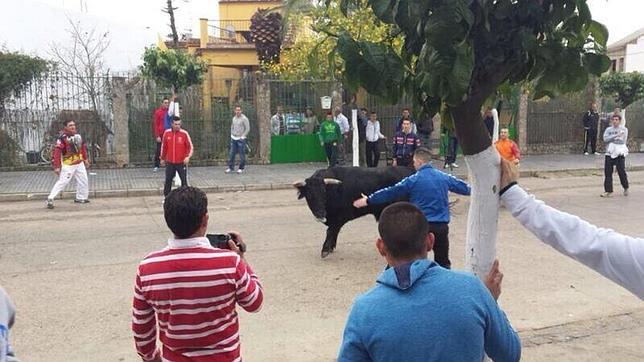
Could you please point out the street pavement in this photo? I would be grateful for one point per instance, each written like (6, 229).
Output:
(70, 272)
(127, 182)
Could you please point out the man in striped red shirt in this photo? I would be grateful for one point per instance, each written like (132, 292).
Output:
(190, 289)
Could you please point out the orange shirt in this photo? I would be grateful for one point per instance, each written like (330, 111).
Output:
(508, 149)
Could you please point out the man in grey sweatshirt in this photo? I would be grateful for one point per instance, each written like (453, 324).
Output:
(7, 315)
(615, 139)
(238, 131)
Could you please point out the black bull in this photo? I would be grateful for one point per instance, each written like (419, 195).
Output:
(330, 194)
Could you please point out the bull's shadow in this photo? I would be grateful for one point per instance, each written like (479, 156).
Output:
(330, 194)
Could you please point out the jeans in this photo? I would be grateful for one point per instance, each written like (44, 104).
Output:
(331, 153)
(237, 146)
(609, 164)
(170, 170)
(157, 161)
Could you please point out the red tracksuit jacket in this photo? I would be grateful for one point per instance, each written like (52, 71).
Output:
(176, 146)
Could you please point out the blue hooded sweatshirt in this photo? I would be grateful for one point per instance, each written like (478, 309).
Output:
(428, 189)
(422, 312)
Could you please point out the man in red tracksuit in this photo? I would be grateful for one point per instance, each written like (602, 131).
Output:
(158, 127)
(176, 150)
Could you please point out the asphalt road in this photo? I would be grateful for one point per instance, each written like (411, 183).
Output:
(70, 271)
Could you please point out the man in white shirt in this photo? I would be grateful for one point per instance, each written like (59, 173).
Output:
(277, 122)
(373, 135)
(343, 122)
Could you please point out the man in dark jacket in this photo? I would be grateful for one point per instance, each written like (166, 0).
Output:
(590, 121)
(405, 144)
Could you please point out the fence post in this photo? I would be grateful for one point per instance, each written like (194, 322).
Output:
(263, 106)
(121, 127)
(522, 124)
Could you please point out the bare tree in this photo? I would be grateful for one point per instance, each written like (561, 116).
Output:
(169, 9)
(82, 58)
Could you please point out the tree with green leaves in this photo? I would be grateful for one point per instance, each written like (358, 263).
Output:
(625, 88)
(17, 71)
(173, 68)
(456, 55)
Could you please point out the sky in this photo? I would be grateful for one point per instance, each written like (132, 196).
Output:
(31, 26)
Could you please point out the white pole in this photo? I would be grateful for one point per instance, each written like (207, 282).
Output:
(495, 133)
(354, 125)
(483, 215)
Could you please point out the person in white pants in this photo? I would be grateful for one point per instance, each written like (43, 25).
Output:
(70, 161)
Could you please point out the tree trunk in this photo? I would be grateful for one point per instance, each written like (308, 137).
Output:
(173, 28)
(483, 164)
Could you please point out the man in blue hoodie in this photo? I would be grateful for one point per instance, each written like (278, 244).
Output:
(419, 311)
(428, 189)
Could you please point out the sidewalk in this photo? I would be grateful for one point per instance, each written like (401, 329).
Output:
(35, 185)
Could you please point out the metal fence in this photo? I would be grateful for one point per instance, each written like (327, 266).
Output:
(554, 125)
(32, 119)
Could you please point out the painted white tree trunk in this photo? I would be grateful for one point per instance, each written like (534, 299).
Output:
(495, 134)
(483, 215)
(623, 114)
(354, 143)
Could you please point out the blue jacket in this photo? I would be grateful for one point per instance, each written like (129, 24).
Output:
(405, 144)
(428, 189)
(422, 312)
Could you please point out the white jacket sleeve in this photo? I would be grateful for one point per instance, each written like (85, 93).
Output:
(618, 257)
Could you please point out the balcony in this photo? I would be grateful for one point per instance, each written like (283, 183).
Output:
(228, 32)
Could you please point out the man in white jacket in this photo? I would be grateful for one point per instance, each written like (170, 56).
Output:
(618, 257)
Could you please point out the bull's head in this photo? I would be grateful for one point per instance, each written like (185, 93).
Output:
(314, 190)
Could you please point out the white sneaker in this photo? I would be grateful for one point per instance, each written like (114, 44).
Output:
(155, 169)
(597, 153)
(228, 170)
(606, 194)
(625, 192)
(454, 165)
(585, 153)
(241, 170)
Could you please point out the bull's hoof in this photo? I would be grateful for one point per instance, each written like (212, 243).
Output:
(325, 253)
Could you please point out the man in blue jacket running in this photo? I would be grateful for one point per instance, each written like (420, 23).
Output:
(427, 189)
(419, 311)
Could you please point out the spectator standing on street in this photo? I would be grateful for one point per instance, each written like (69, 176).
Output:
(159, 126)
(428, 189)
(330, 136)
(616, 140)
(452, 149)
(176, 150)
(488, 120)
(278, 125)
(590, 122)
(507, 148)
(405, 144)
(7, 318)
(343, 122)
(419, 311)
(363, 118)
(239, 129)
(373, 137)
(189, 290)
(406, 116)
(311, 123)
(617, 257)
(70, 161)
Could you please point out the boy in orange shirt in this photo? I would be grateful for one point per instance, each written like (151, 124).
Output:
(507, 148)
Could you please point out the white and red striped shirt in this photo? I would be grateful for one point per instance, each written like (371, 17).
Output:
(190, 289)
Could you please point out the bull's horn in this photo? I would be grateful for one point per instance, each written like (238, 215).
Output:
(299, 183)
(332, 181)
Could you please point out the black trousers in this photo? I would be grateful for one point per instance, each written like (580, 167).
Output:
(590, 138)
(452, 148)
(609, 164)
(170, 170)
(441, 243)
(157, 160)
(331, 153)
(373, 156)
